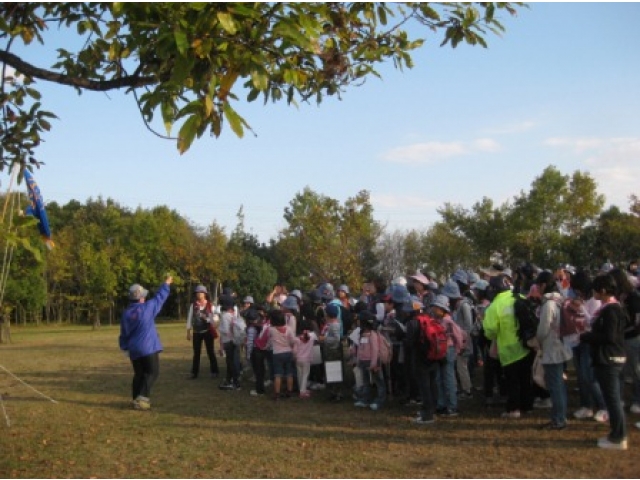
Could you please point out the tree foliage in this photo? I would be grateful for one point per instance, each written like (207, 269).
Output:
(188, 62)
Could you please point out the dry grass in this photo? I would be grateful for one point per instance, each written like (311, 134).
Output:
(198, 431)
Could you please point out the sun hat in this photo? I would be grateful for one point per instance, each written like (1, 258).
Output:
(343, 288)
(399, 293)
(326, 292)
(290, 303)
(297, 293)
(136, 292)
(441, 301)
(248, 299)
(481, 285)
(420, 278)
(201, 289)
(411, 304)
(460, 276)
(451, 290)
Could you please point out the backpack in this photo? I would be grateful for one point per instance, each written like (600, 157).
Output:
(571, 319)
(262, 339)
(525, 311)
(432, 339)
(239, 330)
(385, 351)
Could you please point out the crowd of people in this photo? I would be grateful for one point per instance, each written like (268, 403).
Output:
(371, 346)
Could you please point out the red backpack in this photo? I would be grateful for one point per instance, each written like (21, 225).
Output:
(432, 340)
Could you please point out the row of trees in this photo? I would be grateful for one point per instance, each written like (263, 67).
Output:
(102, 247)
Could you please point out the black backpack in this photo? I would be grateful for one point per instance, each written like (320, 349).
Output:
(525, 311)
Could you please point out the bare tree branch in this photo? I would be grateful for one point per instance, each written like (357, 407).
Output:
(84, 83)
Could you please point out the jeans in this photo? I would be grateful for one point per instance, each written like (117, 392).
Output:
(520, 384)
(257, 364)
(230, 356)
(446, 380)
(378, 377)
(609, 379)
(426, 375)
(558, 392)
(145, 373)
(207, 338)
(632, 367)
(589, 389)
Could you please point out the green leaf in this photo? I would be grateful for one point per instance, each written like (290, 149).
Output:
(181, 41)
(226, 20)
(188, 133)
(235, 120)
(167, 116)
(260, 80)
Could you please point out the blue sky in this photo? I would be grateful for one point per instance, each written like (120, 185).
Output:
(561, 87)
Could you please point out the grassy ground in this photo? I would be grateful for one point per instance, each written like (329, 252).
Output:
(198, 431)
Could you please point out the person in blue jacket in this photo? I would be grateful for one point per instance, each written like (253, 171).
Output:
(140, 341)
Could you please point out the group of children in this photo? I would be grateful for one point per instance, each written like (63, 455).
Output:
(325, 338)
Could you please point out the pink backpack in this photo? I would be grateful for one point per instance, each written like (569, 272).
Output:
(385, 351)
(262, 339)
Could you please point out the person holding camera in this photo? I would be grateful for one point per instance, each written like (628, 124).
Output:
(201, 328)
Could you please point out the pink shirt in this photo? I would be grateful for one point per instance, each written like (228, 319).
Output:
(302, 350)
(281, 342)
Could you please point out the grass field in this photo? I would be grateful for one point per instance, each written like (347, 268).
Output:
(198, 431)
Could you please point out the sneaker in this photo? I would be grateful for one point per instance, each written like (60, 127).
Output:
(601, 416)
(450, 412)
(539, 403)
(441, 410)
(511, 414)
(226, 386)
(375, 407)
(141, 403)
(360, 404)
(214, 375)
(255, 393)
(306, 394)
(583, 413)
(424, 421)
(604, 442)
(410, 402)
(465, 396)
(236, 386)
(318, 386)
(635, 408)
(268, 383)
(553, 426)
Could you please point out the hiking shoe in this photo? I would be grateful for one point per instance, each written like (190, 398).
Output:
(583, 413)
(635, 408)
(375, 407)
(424, 421)
(539, 403)
(604, 442)
(255, 393)
(361, 404)
(141, 403)
(511, 414)
(601, 416)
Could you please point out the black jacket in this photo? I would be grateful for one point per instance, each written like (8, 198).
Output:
(607, 336)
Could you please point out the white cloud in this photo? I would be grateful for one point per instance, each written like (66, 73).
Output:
(425, 153)
(433, 152)
(486, 145)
